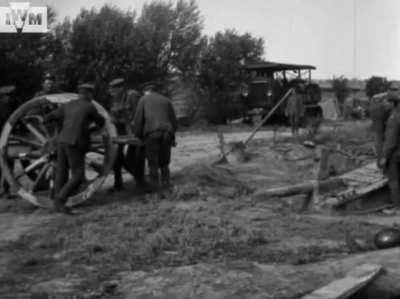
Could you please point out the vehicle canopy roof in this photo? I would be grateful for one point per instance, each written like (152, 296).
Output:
(270, 67)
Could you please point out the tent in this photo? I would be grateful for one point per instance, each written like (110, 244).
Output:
(329, 109)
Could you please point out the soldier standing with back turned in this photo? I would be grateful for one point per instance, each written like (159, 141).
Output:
(155, 123)
(295, 109)
(123, 109)
(73, 143)
(390, 157)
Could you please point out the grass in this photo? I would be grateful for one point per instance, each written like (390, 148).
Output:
(146, 236)
(187, 228)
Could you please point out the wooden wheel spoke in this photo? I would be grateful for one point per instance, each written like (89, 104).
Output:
(97, 167)
(33, 166)
(35, 132)
(25, 155)
(99, 151)
(40, 176)
(25, 141)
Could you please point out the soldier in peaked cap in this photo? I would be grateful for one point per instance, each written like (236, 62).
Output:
(6, 103)
(7, 106)
(155, 122)
(123, 108)
(48, 85)
(73, 143)
(379, 110)
(390, 157)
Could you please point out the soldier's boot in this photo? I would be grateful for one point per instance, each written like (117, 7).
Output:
(394, 193)
(60, 207)
(165, 177)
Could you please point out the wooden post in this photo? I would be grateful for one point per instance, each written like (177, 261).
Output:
(323, 170)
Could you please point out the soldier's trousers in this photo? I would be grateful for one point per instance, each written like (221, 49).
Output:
(134, 162)
(393, 175)
(119, 161)
(158, 153)
(72, 158)
(294, 123)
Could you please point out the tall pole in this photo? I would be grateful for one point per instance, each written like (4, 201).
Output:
(355, 38)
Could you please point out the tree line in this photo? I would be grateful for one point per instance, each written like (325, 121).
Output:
(164, 43)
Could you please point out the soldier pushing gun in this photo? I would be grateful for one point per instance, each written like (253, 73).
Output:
(73, 143)
(123, 109)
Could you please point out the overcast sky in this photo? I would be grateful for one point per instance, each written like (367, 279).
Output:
(355, 38)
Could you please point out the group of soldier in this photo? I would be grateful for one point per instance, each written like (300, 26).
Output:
(385, 115)
(150, 117)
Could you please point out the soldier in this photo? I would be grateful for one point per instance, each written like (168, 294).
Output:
(295, 109)
(7, 106)
(379, 112)
(73, 143)
(48, 85)
(155, 123)
(123, 108)
(390, 156)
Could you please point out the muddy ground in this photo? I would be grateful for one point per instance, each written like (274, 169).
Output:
(208, 217)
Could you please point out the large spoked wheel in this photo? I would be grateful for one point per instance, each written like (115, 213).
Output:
(28, 152)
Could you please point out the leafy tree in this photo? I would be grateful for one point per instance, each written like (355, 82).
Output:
(99, 45)
(95, 47)
(23, 59)
(221, 71)
(170, 39)
(376, 85)
(341, 89)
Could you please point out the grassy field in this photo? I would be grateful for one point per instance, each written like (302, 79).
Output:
(208, 217)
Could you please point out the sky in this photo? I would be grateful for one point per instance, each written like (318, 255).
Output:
(354, 38)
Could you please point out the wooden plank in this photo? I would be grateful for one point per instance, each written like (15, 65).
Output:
(354, 193)
(127, 139)
(361, 179)
(343, 288)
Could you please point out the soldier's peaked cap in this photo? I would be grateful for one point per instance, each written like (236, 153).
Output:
(116, 82)
(87, 86)
(149, 85)
(6, 89)
(49, 76)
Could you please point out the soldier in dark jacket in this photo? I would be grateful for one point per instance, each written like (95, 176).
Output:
(48, 85)
(390, 157)
(123, 109)
(294, 110)
(379, 112)
(73, 143)
(7, 107)
(155, 123)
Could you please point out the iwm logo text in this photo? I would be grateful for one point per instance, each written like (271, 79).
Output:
(21, 17)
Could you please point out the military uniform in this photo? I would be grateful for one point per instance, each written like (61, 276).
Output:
(123, 108)
(6, 109)
(379, 114)
(155, 123)
(48, 86)
(390, 159)
(295, 111)
(73, 143)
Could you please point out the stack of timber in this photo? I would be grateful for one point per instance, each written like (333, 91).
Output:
(351, 186)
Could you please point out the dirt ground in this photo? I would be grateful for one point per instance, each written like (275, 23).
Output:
(209, 216)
